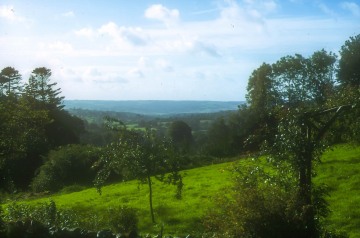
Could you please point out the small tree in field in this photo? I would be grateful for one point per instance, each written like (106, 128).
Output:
(140, 155)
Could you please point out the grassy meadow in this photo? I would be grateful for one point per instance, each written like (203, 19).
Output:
(339, 169)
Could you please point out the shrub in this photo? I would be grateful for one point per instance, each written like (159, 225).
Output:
(45, 213)
(123, 219)
(66, 166)
(261, 203)
(2, 224)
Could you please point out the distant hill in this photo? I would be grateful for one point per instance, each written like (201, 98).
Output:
(154, 107)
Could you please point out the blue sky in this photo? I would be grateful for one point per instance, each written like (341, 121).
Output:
(166, 49)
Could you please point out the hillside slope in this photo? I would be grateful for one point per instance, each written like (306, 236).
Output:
(339, 169)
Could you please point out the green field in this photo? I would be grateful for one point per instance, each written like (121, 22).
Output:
(339, 169)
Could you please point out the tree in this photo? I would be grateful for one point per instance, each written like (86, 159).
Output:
(64, 128)
(219, 139)
(321, 72)
(261, 95)
(349, 88)
(263, 100)
(139, 155)
(302, 82)
(181, 135)
(295, 91)
(349, 70)
(40, 89)
(22, 131)
(10, 81)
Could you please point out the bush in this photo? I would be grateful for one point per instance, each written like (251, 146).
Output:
(45, 213)
(261, 203)
(123, 219)
(66, 166)
(2, 224)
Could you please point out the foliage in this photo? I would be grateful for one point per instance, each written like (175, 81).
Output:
(139, 155)
(261, 203)
(10, 81)
(22, 134)
(32, 122)
(40, 89)
(123, 219)
(2, 223)
(66, 166)
(45, 213)
(219, 139)
(349, 72)
(181, 136)
(64, 128)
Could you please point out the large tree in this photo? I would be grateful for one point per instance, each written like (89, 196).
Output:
(64, 128)
(349, 88)
(22, 135)
(261, 95)
(349, 70)
(40, 88)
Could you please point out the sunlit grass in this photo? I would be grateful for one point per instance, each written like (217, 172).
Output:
(340, 171)
(177, 216)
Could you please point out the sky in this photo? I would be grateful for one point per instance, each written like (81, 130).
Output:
(166, 49)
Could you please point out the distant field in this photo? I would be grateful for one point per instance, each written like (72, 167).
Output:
(151, 107)
(339, 169)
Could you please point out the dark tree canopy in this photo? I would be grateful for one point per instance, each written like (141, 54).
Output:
(181, 135)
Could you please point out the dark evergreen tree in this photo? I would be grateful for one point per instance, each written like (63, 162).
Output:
(10, 81)
(40, 88)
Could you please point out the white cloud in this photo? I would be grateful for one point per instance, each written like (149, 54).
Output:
(352, 7)
(205, 48)
(164, 65)
(86, 32)
(68, 14)
(135, 73)
(109, 28)
(161, 13)
(131, 35)
(61, 46)
(143, 62)
(8, 12)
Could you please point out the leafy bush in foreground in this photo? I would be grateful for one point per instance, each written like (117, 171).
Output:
(123, 219)
(263, 203)
(66, 166)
